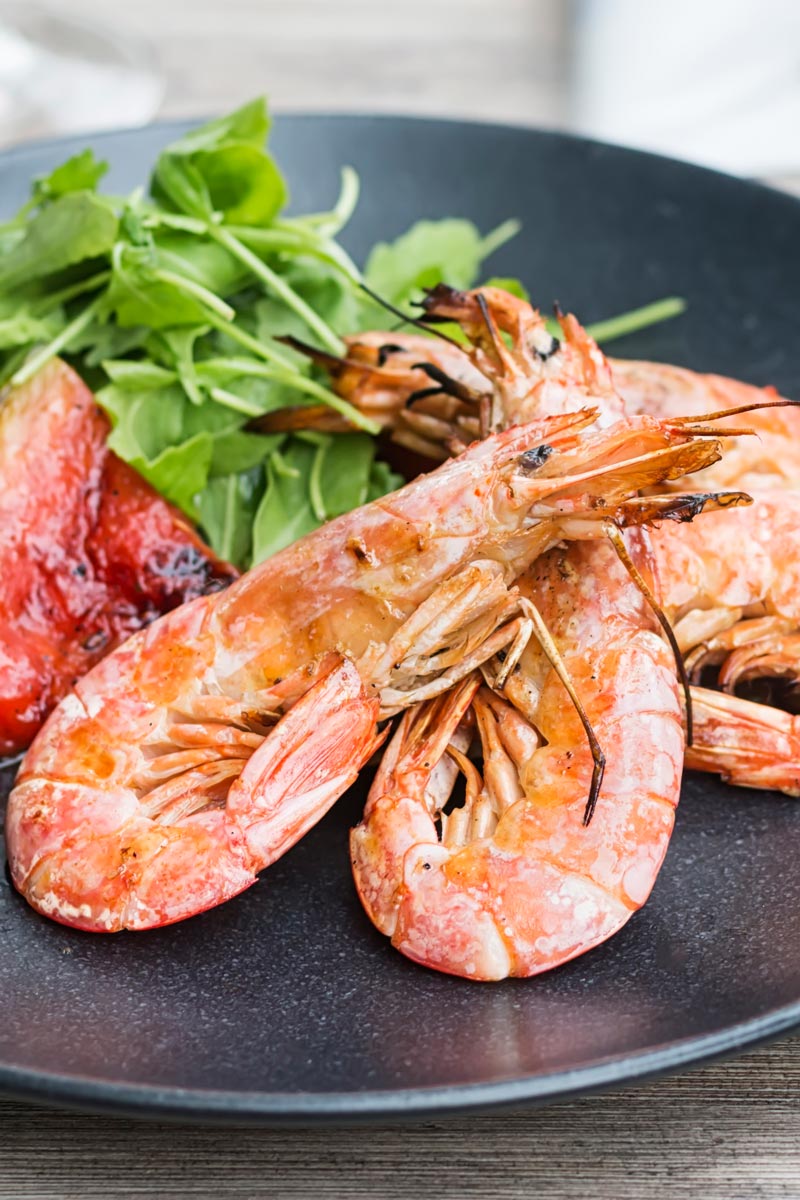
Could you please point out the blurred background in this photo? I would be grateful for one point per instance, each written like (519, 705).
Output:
(716, 81)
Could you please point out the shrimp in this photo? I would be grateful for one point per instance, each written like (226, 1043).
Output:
(512, 882)
(207, 744)
(770, 461)
(720, 580)
(732, 594)
(382, 373)
(739, 617)
(525, 875)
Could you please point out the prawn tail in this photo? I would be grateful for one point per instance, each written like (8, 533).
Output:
(749, 745)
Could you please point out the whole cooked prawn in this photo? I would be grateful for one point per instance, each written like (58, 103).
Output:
(523, 875)
(512, 882)
(205, 746)
(382, 372)
(722, 580)
(732, 593)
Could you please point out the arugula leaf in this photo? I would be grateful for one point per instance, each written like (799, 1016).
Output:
(250, 123)
(208, 416)
(180, 348)
(74, 227)
(179, 472)
(243, 182)
(138, 374)
(201, 260)
(240, 451)
(430, 252)
(153, 431)
(139, 295)
(342, 473)
(102, 340)
(227, 506)
(323, 288)
(514, 286)
(22, 327)
(145, 422)
(82, 172)
(178, 184)
(285, 512)
(223, 167)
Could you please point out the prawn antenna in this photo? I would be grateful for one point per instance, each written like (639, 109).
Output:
(447, 384)
(407, 318)
(618, 542)
(753, 406)
(491, 328)
(553, 656)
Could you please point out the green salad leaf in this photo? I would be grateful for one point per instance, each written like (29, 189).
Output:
(430, 252)
(69, 229)
(81, 173)
(311, 479)
(227, 506)
(172, 302)
(285, 512)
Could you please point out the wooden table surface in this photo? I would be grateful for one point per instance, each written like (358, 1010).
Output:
(730, 1131)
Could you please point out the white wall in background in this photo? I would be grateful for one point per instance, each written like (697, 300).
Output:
(717, 81)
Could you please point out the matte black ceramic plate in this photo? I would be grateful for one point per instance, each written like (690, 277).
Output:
(285, 1004)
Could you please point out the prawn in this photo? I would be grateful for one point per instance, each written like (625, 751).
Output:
(770, 461)
(720, 579)
(512, 882)
(524, 875)
(731, 592)
(207, 744)
(382, 374)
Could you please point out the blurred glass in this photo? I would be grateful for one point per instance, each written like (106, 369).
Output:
(60, 75)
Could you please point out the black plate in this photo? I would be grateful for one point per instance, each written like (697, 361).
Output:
(284, 1004)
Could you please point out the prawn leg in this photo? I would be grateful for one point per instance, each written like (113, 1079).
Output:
(749, 745)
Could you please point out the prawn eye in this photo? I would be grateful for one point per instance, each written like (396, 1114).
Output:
(547, 351)
(386, 351)
(532, 460)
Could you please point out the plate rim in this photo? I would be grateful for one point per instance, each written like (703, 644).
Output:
(34, 145)
(221, 1107)
(225, 1107)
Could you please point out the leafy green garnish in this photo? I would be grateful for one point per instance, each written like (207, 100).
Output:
(430, 252)
(227, 506)
(81, 173)
(313, 478)
(69, 229)
(173, 305)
